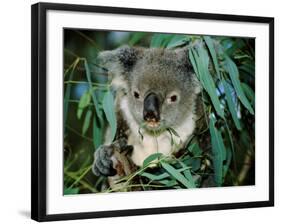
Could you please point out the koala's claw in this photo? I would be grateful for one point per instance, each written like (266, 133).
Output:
(103, 164)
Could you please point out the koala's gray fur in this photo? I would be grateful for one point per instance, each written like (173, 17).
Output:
(139, 71)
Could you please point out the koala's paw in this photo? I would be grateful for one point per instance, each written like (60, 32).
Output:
(103, 163)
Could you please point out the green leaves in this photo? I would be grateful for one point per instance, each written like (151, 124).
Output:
(98, 127)
(136, 37)
(188, 176)
(87, 121)
(234, 76)
(162, 176)
(177, 40)
(96, 103)
(213, 53)
(160, 40)
(225, 68)
(231, 105)
(177, 175)
(69, 191)
(219, 152)
(200, 62)
(226, 73)
(227, 162)
(218, 74)
(195, 149)
(168, 40)
(171, 176)
(172, 133)
(249, 93)
(151, 158)
(83, 103)
(109, 110)
(102, 100)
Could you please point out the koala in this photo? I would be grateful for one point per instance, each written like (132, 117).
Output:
(156, 89)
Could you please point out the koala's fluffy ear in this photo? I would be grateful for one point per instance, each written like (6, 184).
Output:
(119, 60)
(183, 59)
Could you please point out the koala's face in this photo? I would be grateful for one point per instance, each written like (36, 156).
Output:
(161, 86)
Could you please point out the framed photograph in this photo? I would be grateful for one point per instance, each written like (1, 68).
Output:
(139, 111)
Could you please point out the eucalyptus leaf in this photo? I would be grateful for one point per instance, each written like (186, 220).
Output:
(188, 175)
(69, 191)
(195, 164)
(162, 176)
(151, 158)
(83, 102)
(192, 60)
(168, 183)
(154, 177)
(218, 150)
(177, 41)
(234, 76)
(79, 112)
(228, 161)
(96, 103)
(173, 131)
(136, 37)
(249, 93)
(156, 40)
(176, 174)
(195, 149)
(98, 109)
(210, 43)
(231, 105)
(160, 40)
(109, 110)
(97, 131)
(248, 67)
(87, 121)
(201, 59)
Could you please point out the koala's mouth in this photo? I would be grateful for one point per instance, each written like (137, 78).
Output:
(154, 127)
(153, 124)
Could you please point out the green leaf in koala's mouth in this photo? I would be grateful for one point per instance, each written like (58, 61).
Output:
(154, 131)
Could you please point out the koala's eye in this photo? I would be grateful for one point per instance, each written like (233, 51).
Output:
(173, 98)
(136, 95)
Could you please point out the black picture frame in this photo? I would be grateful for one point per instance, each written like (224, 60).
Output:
(39, 122)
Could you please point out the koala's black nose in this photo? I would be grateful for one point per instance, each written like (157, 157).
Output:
(151, 108)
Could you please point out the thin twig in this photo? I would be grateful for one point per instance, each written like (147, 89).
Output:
(75, 62)
(88, 39)
(84, 183)
(81, 176)
(82, 58)
(134, 185)
(76, 132)
(84, 82)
